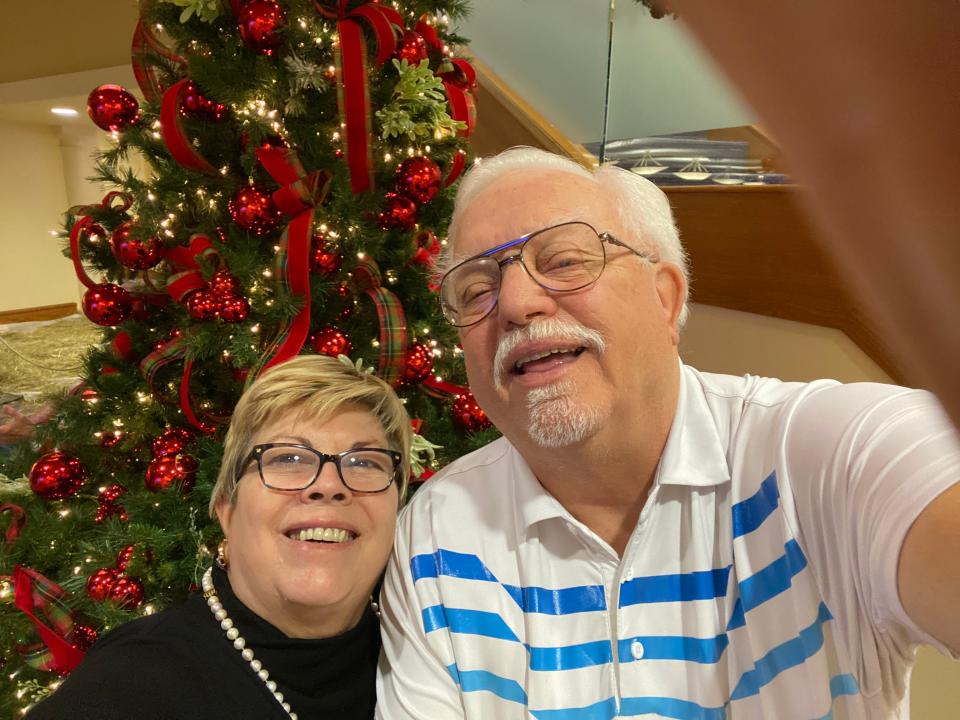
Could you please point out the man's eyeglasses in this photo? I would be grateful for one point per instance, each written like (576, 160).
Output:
(561, 258)
(287, 466)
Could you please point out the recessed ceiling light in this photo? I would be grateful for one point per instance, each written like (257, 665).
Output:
(65, 111)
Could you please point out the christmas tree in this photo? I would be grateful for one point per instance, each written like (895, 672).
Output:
(282, 188)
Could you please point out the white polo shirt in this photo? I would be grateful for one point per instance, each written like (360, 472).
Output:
(759, 582)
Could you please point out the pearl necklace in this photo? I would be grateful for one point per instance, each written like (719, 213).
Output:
(216, 607)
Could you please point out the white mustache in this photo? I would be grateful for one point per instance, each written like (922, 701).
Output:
(547, 329)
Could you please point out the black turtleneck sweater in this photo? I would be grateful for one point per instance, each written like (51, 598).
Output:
(179, 665)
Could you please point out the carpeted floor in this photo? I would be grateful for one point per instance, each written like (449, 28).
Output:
(41, 357)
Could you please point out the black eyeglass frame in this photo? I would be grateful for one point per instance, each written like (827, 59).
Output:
(258, 450)
(522, 241)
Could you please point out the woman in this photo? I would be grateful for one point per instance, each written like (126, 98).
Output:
(314, 465)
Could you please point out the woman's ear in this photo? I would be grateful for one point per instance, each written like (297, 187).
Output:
(224, 512)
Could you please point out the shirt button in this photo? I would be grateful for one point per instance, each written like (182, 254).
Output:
(636, 649)
(629, 575)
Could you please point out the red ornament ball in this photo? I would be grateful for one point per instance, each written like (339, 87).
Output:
(467, 415)
(171, 442)
(112, 108)
(111, 493)
(203, 304)
(107, 304)
(100, 583)
(164, 472)
(400, 213)
(419, 363)
(322, 258)
(413, 48)
(331, 341)
(419, 179)
(223, 283)
(261, 24)
(109, 439)
(234, 309)
(141, 310)
(56, 475)
(194, 104)
(94, 233)
(253, 209)
(124, 557)
(84, 636)
(135, 253)
(127, 592)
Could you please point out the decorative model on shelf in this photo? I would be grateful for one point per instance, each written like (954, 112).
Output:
(689, 159)
(302, 157)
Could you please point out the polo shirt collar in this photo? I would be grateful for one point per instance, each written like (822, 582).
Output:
(693, 456)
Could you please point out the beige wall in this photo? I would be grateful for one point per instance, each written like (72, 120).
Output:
(33, 197)
(727, 341)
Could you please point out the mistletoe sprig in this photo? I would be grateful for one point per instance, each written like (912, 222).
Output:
(418, 107)
(205, 10)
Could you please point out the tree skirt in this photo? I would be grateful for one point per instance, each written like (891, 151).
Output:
(37, 358)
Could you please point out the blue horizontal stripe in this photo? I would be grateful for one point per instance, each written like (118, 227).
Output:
(631, 707)
(603, 710)
(774, 578)
(545, 601)
(452, 564)
(570, 657)
(565, 601)
(783, 657)
(669, 708)
(749, 514)
(737, 619)
(675, 647)
(467, 622)
(701, 585)
(841, 685)
(481, 680)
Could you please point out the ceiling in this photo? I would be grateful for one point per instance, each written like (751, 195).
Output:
(53, 52)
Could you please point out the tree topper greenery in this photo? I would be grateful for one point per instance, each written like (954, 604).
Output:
(418, 107)
(206, 10)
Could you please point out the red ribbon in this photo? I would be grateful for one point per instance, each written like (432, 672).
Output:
(391, 318)
(300, 192)
(186, 404)
(18, 522)
(32, 591)
(442, 389)
(456, 167)
(84, 222)
(353, 95)
(171, 128)
(181, 284)
(459, 97)
(144, 44)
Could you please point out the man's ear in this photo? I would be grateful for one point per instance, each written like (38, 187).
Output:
(671, 289)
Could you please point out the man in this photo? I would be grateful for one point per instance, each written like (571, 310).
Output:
(647, 539)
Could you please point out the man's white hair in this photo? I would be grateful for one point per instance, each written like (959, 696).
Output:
(643, 207)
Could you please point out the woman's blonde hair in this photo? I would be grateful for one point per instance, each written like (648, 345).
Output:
(317, 387)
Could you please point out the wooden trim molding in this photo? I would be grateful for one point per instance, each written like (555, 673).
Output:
(44, 312)
(504, 119)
